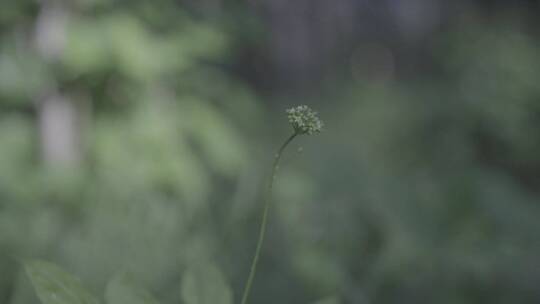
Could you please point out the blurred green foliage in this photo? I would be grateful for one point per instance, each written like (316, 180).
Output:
(422, 189)
(54, 286)
(156, 143)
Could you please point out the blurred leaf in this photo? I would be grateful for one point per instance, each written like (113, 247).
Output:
(122, 289)
(219, 141)
(328, 300)
(55, 286)
(87, 49)
(22, 74)
(204, 41)
(205, 284)
(151, 151)
(319, 269)
(132, 46)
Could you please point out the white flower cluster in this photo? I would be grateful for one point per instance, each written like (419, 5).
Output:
(304, 120)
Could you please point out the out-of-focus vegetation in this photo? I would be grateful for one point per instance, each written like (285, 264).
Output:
(135, 136)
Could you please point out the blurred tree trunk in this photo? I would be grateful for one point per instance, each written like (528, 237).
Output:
(307, 35)
(59, 129)
(59, 118)
(291, 44)
(309, 38)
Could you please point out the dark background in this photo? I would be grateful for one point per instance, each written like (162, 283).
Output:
(135, 137)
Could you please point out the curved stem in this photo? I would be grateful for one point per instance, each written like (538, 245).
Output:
(262, 230)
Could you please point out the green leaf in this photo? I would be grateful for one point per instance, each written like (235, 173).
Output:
(122, 289)
(205, 284)
(55, 286)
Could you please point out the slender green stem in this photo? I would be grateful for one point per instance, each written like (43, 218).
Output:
(262, 230)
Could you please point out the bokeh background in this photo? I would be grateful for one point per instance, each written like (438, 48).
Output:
(135, 136)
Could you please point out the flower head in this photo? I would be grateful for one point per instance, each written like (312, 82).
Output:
(304, 120)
